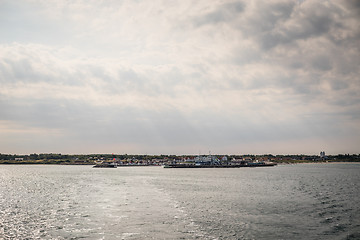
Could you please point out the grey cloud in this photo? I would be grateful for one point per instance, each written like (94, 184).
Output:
(300, 39)
(30, 64)
(318, 55)
(348, 99)
(19, 70)
(27, 67)
(354, 6)
(224, 13)
(322, 62)
(312, 22)
(97, 71)
(266, 16)
(132, 80)
(277, 23)
(45, 67)
(246, 55)
(338, 85)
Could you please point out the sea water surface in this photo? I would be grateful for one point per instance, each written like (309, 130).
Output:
(303, 201)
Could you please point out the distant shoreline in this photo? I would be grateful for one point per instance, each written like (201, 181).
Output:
(130, 160)
(152, 165)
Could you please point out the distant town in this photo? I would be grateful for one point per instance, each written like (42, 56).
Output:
(156, 160)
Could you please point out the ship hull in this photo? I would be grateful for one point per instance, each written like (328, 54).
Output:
(218, 166)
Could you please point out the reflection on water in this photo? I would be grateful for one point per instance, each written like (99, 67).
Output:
(310, 201)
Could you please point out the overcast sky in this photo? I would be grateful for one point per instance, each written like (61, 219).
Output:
(180, 76)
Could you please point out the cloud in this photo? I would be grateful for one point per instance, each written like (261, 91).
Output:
(183, 77)
(222, 14)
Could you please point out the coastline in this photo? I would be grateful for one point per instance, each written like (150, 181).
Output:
(347, 162)
(153, 165)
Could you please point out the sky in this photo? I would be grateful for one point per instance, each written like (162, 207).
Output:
(179, 76)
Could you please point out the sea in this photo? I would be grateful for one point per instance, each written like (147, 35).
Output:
(301, 201)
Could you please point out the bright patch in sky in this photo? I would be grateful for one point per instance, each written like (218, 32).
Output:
(180, 77)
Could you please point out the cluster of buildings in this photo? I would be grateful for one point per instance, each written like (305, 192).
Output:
(148, 160)
(201, 160)
(209, 159)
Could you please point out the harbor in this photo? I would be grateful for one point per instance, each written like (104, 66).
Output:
(209, 161)
(261, 164)
(212, 161)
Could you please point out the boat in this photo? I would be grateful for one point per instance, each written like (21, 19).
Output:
(257, 164)
(105, 165)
